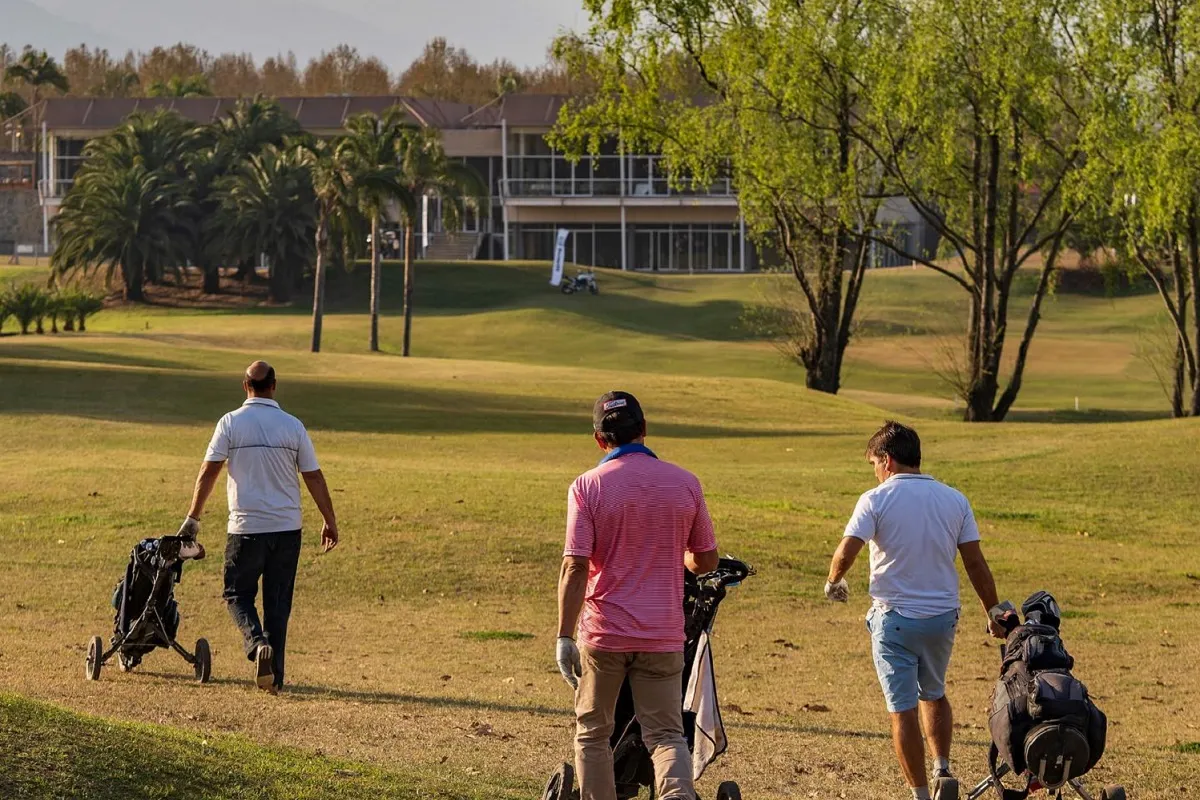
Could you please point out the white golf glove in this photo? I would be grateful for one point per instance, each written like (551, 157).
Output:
(190, 528)
(569, 663)
(837, 592)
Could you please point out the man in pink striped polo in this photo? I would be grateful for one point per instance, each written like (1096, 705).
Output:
(632, 523)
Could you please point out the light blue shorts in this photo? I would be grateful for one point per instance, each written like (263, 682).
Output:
(911, 655)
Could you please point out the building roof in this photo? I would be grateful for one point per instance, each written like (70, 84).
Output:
(313, 113)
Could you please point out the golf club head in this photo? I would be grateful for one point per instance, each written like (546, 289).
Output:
(1041, 608)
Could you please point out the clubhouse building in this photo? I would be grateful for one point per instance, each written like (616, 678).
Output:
(621, 210)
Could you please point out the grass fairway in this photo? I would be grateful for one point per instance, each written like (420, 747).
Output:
(422, 649)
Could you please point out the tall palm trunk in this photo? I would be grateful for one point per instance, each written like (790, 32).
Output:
(408, 288)
(375, 268)
(133, 276)
(212, 279)
(319, 283)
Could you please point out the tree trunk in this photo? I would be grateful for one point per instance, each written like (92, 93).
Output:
(408, 290)
(82, 322)
(1014, 385)
(212, 279)
(135, 292)
(1177, 380)
(280, 288)
(69, 323)
(319, 285)
(1193, 281)
(375, 276)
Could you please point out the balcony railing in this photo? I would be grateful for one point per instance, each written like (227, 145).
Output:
(599, 176)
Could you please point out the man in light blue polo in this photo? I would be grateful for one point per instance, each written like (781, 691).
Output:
(916, 527)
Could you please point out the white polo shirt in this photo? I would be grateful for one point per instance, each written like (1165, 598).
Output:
(914, 525)
(265, 448)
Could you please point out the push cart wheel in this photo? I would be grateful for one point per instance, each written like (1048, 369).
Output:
(125, 663)
(95, 650)
(560, 784)
(203, 661)
(729, 790)
(594, 289)
(1112, 793)
(567, 288)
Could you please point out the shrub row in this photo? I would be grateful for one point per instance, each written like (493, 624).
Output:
(30, 306)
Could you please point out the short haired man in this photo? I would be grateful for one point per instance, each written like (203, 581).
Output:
(265, 448)
(633, 523)
(915, 526)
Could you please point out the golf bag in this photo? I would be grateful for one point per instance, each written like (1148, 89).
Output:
(147, 615)
(1042, 720)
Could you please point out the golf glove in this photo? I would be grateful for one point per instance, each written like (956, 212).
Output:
(837, 592)
(569, 663)
(190, 528)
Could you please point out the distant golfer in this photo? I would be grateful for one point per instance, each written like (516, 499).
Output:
(916, 526)
(265, 448)
(633, 523)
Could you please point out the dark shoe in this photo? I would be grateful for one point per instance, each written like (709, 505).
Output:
(264, 674)
(945, 785)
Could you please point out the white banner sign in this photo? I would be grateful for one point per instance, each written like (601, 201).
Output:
(560, 257)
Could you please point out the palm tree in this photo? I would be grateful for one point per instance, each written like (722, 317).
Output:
(129, 210)
(268, 206)
(37, 70)
(245, 131)
(336, 208)
(371, 154)
(192, 86)
(427, 171)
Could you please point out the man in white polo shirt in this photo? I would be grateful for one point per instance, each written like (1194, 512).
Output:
(265, 448)
(916, 528)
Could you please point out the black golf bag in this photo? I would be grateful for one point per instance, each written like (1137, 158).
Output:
(1043, 723)
(147, 615)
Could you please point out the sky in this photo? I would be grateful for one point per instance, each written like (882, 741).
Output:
(393, 30)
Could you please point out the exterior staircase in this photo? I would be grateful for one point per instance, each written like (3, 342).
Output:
(453, 246)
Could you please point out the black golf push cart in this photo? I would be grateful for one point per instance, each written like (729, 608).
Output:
(701, 714)
(147, 615)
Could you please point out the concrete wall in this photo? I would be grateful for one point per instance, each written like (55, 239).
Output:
(20, 219)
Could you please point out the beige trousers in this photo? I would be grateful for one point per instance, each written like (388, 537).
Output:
(657, 683)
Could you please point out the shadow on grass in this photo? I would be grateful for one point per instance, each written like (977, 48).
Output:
(315, 693)
(1061, 416)
(145, 396)
(53, 352)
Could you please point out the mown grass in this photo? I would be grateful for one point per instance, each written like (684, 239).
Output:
(52, 752)
(450, 476)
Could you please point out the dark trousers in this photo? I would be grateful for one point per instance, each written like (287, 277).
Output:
(271, 557)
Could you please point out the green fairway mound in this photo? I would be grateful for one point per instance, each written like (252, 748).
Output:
(52, 753)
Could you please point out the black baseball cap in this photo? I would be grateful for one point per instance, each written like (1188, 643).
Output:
(615, 412)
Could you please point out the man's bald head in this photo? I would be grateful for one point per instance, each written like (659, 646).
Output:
(259, 380)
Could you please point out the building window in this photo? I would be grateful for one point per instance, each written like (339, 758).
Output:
(68, 158)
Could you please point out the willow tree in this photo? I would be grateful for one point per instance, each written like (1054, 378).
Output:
(766, 93)
(976, 120)
(1143, 64)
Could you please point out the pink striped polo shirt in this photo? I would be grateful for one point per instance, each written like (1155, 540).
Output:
(634, 517)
